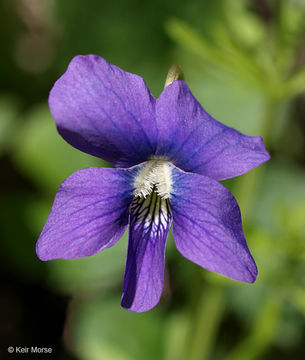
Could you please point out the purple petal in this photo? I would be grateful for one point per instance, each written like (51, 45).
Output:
(196, 142)
(207, 227)
(105, 111)
(89, 214)
(150, 221)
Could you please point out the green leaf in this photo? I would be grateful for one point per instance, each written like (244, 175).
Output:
(101, 329)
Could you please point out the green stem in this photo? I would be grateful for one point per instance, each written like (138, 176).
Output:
(208, 316)
(263, 330)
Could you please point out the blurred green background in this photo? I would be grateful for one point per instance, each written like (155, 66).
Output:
(244, 61)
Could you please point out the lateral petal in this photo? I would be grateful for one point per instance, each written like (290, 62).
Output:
(195, 142)
(207, 227)
(104, 111)
(150, 221)
(89, 214)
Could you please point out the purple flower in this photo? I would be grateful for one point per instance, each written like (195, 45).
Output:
(169, 153)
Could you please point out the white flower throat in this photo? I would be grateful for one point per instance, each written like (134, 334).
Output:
(150, 209)
(154, 176)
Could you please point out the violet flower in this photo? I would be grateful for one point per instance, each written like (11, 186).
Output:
(169, 153)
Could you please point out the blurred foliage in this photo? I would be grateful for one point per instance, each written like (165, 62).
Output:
(98, 336)
(46, 167)
(244, 61)
(8, 116)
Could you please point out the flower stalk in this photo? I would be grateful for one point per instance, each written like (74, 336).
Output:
(207, 320)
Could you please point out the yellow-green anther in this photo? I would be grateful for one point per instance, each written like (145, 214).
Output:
(174, 73)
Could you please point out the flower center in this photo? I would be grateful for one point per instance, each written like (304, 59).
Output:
(150, 211)
(155, 176)
(151, 214)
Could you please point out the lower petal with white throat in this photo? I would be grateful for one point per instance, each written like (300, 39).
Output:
(149, 222)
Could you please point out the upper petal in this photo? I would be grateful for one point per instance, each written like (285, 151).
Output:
(89, 214)
(105, 111)
(150, 221)
(207, 226)
(196, 142)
